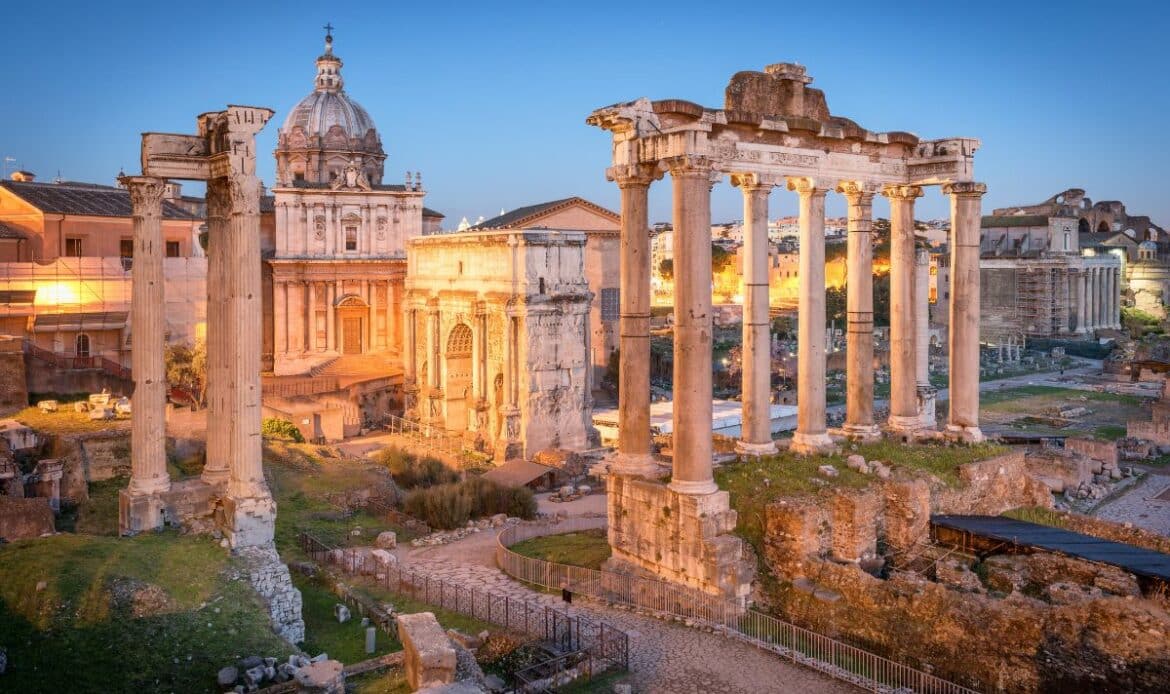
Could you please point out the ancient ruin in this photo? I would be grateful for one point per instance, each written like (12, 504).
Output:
(774, 130)
(497, 339)
(231, 490)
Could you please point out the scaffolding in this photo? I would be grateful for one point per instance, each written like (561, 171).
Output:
(1042, 299)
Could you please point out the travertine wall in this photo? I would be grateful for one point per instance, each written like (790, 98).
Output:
(21, 519)
(679, 537)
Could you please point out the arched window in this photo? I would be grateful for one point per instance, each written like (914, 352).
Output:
(1066, 240)
(82, 346)
(459, 341)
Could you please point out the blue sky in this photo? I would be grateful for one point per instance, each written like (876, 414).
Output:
(489, 100)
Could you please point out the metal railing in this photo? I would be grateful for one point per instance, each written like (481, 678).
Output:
(428, 437)
(829, 656)
(567, 632)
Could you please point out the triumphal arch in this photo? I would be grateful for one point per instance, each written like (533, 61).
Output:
(773, 131)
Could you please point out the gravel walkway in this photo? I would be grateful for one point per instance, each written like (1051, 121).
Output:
(664, 656)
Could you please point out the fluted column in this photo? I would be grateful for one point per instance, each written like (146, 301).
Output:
(217, 468)
(756, 426)
(410, 384)
(311, 341)
(331, 315)
(811, 432)
(280, 316)
(634, 452)
(859, 422)
(904, 415)
(963, 420)
(926, 392)
(1079, 283)
(691, 189)
(148, 435)
(244, 313)
(1115, 299)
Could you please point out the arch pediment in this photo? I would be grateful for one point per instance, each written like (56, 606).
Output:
(351, 301)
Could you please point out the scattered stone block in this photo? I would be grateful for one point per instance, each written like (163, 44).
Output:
(341, 612)
(857, 462)
(428, 657)
(386, 540)
(322, 676)
(371, 639)
(827, 471)
(227, 676)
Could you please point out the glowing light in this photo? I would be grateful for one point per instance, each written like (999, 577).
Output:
(56, 293)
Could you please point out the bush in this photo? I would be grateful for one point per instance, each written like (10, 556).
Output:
(450, 506)
(410, 471)
(281, 429)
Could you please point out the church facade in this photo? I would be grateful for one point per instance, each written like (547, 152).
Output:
(338, 259)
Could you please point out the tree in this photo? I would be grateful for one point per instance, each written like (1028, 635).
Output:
(720, 259)
(187, 369)
(666, 269)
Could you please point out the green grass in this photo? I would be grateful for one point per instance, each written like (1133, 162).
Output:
(99, 514)
(66, 422)
(72, 635)
(1039, 516)
(755, 484)
(589, 548)
(1055, 395)
(382, 682)
(1008, 411)
(1110, 432)
(324, 634)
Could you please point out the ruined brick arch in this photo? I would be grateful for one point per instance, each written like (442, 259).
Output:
(1083, 226)
(1103, 227)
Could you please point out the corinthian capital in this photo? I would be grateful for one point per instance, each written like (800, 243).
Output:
(807, 185)
(857, 192)
(965, 189)
(901, 192)
(752, 182)
(243, 192)
(633, 175)
(689, 165)
(146, 192)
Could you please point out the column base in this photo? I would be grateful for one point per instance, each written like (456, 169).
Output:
(249, 521)
(694, 488)
(216, 478)
(811, 444)
(634, 465)
(140, 512)
(964, 434)
(865, 433)
(745, 448)
(902, 425)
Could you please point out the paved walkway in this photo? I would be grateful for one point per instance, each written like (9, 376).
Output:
(1141, 505)
(664, 656)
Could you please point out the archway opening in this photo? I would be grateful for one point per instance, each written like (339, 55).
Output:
(1083, 226)
(457, 388)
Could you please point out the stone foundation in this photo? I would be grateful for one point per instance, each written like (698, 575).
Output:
(21, 519)
(249, 522)
(270, 577)
(679, 537)
(428, 656)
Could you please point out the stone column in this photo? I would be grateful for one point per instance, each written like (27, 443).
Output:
(148, 429)
(1081, 295)
(244, 314)
(295, 308)
(331, 316)
(859, 422)
(1115, 298)
(634, 456)
(904, 417)
(691, 190)
(756, 426)
(217, 469)
(280, 317)
(963, 421)
(311, 339)
(811, 433)
(410, 387)
(926, 392)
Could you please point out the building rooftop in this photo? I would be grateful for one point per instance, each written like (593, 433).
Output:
(85, 199)
(522, 216)
(1014, 220)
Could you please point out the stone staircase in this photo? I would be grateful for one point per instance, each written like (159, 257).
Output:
(359, 366)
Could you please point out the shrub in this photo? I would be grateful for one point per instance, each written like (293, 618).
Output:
(450, 506)
(281, 429)
(410, 471)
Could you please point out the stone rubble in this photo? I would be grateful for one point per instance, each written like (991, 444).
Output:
(253, 672)
(271, 580)
(443, 537)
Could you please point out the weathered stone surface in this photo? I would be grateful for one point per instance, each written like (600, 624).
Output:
(21, 519)
(321, 677)
(341, 613)
(681, 537)
(271, 579)
(428, 656)
(386, 540)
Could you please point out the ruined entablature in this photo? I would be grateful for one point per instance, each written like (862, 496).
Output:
(773, 124)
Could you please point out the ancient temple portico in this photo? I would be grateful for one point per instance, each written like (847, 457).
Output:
(222, 153)
(775, 130)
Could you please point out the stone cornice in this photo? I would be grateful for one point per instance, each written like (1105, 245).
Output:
(965, 189)
(900, 192)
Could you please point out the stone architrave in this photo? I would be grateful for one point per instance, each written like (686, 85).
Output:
(756, 437)
(963, 420)
(859, 422)
(811, 432)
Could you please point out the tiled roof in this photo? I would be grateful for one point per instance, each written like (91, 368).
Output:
(521, 215)
(7, 232)
(428, 212)
(84, 199)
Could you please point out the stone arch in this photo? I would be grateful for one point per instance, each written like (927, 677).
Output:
(1083, 226)
(457, 375)
(1103, 227)
(353, 313)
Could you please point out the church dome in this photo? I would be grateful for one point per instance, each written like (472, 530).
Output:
(327, 131)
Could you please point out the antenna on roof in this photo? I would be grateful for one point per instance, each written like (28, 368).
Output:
(58, 179)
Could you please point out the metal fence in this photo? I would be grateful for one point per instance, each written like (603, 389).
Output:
(568, 632)
(834, 658)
